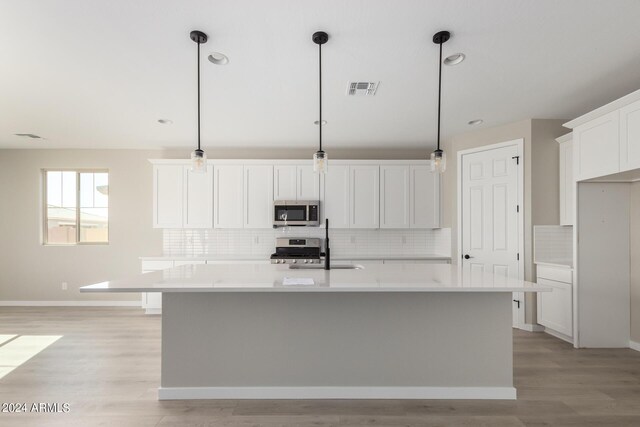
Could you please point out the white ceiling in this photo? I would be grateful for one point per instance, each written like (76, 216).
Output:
(98, 74)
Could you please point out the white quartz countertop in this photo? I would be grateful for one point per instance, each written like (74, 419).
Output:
(270, 278)
(266, 257)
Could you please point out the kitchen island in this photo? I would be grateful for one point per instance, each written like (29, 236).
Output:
(385, 331)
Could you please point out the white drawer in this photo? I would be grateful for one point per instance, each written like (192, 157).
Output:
(564, 275)
(156, 265)
(555, 308)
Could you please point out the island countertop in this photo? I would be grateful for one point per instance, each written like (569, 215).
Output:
(271, 278)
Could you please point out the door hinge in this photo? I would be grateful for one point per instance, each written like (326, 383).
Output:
(518, 208)
(517, 159)
(518, 256)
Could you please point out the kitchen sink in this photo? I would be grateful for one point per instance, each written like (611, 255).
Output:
(321, 267)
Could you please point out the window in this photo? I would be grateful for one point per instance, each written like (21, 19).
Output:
(76, 207)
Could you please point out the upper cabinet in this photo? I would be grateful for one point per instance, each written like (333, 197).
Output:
(240, 193)
(567, 183)
(228, 196)
(335, 201)
(365, 196)
(597, 148)
(181, 198)
(258, 196)
(394, 196)
(295, 182)
(424, 197)
(607, 140)
(630, 136)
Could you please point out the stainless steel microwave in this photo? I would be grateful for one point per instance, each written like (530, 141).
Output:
(287, 213)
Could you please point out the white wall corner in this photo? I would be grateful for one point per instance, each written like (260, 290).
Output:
(531, 327)
(633, 345)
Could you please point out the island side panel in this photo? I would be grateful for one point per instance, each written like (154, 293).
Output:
(421, 339)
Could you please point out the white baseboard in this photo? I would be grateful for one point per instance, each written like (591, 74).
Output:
(634, 345)
(530, 327)
(69, 303)
(188, 393)
(559, 335)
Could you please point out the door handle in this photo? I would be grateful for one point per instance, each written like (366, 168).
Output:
(467, 256)
(517, 301)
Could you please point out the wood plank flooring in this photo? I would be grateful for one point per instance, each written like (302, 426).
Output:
(107, 367)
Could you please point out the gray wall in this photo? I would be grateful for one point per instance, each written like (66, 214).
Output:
(541, 182)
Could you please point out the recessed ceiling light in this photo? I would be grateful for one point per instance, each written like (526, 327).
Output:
(165, 121)
(476, 122)
(29, 135)
(324, 122)
(218, 58)
(454, 59)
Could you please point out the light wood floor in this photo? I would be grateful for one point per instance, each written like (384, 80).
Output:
(107, 368)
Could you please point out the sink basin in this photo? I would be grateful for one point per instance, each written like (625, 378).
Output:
(321, 267)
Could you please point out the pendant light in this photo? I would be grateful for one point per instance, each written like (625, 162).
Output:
(198, 157)
(438, 157)
(320, 159)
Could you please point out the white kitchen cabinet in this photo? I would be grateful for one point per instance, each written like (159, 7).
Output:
(630, 137)
(198, 198)
(228, 194)
(258, 196)
(335, 203)
(168, 194)
(295, 182)
(567, 183)
(424, 195)
(555, 308)
(597, 147)
(308, 183)
(285, 182)
(394, 196)
(365, 196)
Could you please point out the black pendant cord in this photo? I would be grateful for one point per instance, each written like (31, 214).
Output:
(320, 90)
(439, 93)
(198, 95)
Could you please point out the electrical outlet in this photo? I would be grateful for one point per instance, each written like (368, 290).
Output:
(64, 286)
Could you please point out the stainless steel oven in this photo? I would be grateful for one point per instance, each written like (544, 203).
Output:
(305, 213)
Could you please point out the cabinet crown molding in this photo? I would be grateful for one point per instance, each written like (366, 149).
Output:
(605, 109)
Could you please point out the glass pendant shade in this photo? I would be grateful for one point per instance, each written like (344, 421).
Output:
(198, 161)
(438, 161)
(320, 162)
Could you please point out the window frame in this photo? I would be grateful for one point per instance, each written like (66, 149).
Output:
(45, 210)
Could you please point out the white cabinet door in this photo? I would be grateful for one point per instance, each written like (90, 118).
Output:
(198, 198)
(365, 196)
(167, 196)
(308, 183)
(630, 137)
(555, 307)
(335, 202)
(284, 182)
(597, 147)
(567, 201)
(258, 196)
(394, 196)
(228, 184)
(425, 197)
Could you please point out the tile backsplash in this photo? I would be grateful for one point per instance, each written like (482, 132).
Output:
(553, 243)
(344, 242)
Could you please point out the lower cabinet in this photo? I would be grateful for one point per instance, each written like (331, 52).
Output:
(555, 308)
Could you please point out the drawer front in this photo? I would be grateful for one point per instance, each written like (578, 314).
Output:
(564, 275)
(156, 265)
(555, 308)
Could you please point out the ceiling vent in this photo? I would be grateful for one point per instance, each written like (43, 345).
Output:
(362, 88)
(29, 135)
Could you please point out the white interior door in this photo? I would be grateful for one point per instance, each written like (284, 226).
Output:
(490, 215)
